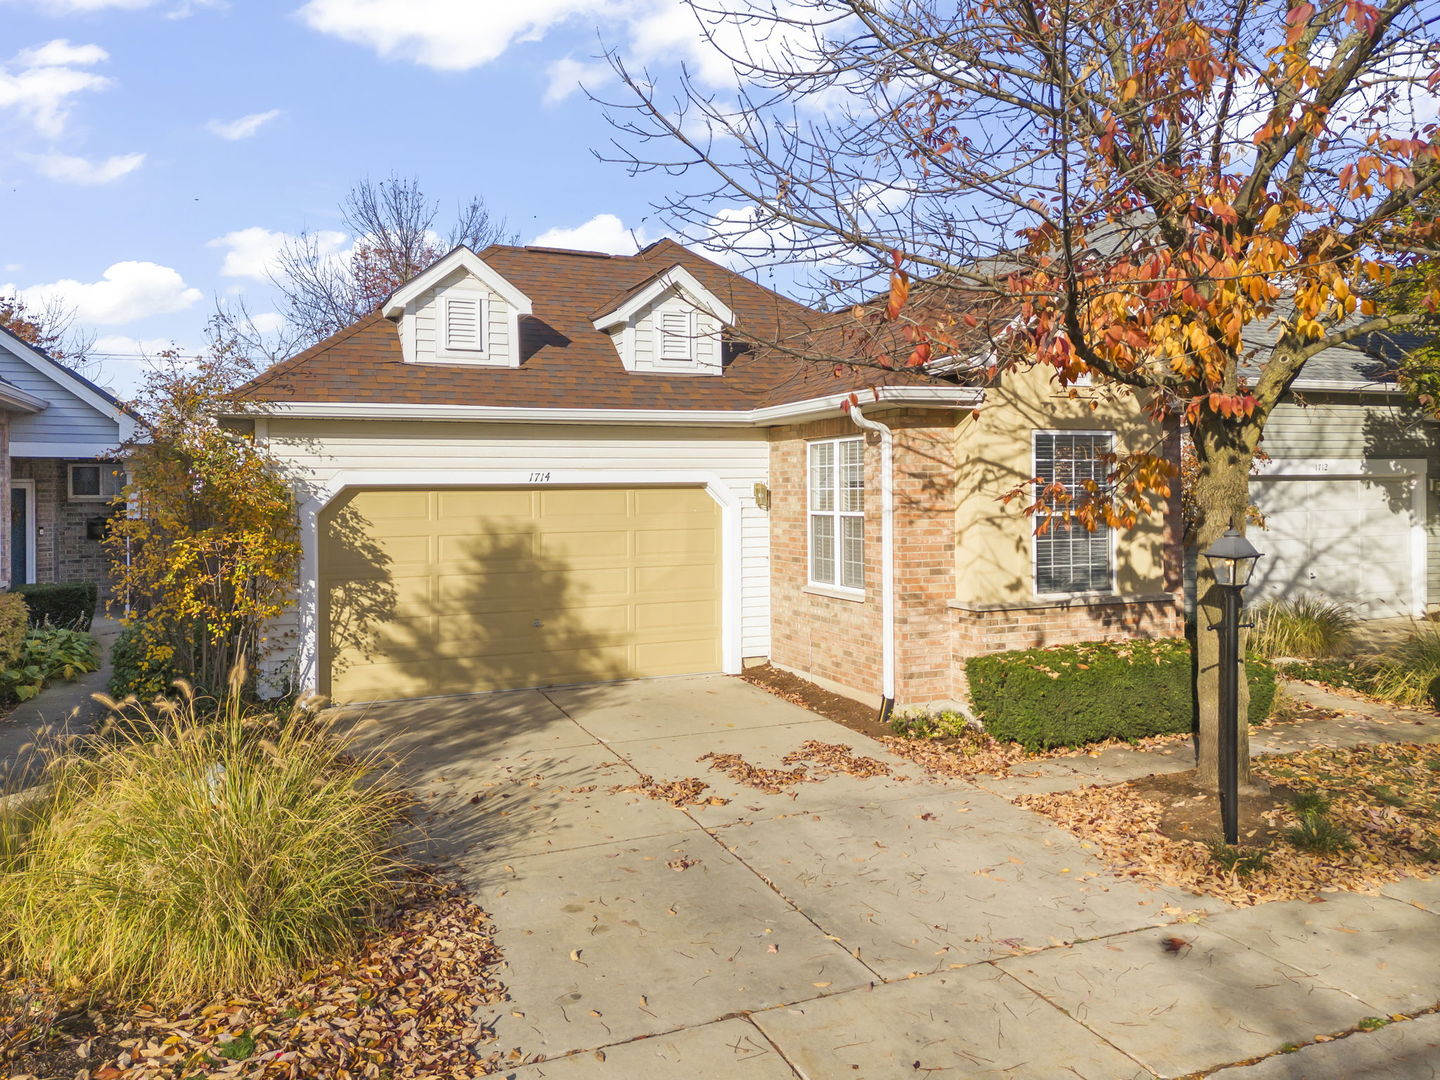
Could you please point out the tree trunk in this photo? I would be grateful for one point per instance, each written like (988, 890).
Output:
(1224, 449)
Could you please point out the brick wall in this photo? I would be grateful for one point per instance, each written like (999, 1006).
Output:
(838, 639)
(63, 550)
(981, 629)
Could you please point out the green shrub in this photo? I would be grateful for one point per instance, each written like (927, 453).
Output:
(69, 605)
(48, 654)
(200, 854)
(924, 724)
(1306, 626)
(1240, 861)
(1074, 694)
(14, 621)
(138, 663)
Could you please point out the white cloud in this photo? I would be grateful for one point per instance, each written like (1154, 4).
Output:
(78, 170)
(447, 35)
(566, 76)
(126, 292)
(243, 128)
(603, 232)
(40, 82)
(252, 252)
(268, 322)
(121, 347)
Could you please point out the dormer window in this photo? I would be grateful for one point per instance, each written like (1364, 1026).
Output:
(669, 324)
(464, 324)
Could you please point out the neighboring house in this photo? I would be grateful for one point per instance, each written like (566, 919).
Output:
(539, 467)
(1346, 490)
(58, 432)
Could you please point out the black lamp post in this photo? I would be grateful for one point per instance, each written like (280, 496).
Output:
(1232, 560)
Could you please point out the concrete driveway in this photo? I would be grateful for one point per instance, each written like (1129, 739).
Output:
(856, 928)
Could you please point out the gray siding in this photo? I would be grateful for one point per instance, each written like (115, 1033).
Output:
(68, 420)
(1354, 426)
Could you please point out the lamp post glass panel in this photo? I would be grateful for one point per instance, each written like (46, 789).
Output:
(1232, 559)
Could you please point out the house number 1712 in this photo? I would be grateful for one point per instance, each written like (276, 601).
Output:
(539, 477)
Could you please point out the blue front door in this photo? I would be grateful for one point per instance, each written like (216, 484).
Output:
(19, 535)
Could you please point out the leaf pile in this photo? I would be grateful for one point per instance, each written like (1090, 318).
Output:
(403, 1009)
(689, 791)
(837, 758)
(1364, 784)
(771, 781)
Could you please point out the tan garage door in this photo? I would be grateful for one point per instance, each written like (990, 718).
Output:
(462, 590)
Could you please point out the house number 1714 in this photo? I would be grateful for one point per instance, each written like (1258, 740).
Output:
(539, 477)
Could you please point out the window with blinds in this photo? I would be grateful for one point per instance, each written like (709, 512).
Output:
(1070, 558)
(836, 506)
(464, 324)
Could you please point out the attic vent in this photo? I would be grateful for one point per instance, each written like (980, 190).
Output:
(463, 324)
(676, 337)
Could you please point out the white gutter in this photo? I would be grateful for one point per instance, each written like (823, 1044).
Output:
(21, 400)
(887, 557)
(812, 408)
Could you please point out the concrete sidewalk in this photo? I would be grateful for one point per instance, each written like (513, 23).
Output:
(857, 928)
(59, 708)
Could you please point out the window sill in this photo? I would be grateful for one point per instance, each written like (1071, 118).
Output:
(835, 592)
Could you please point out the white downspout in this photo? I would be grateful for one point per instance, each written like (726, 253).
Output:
(887, 557)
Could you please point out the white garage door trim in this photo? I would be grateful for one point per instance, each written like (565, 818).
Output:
(319, 493)
(1359, 469)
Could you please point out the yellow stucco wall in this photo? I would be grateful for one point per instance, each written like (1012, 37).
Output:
(994, 540)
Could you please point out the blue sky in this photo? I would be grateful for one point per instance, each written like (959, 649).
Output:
(155, 150)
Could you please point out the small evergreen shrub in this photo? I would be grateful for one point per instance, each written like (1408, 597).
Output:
(14, 621)
(71, 605)
(139, 663)
(1306, 626)
(1240, 861)
(924, 724)
(1075, 694)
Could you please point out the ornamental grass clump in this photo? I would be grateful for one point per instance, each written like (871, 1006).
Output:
(1306, 626)
(1411, 676)
(193, 851)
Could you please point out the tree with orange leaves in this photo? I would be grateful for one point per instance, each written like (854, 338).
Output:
(1185, 199)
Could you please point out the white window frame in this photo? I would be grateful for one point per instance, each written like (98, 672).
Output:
(442, 331)
(112, 466)
(835, 514)
(1036, 538)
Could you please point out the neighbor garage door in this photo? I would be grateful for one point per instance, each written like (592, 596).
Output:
(464, 590)
(1347, 538)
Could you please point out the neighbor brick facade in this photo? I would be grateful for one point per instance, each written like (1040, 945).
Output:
(64, 550)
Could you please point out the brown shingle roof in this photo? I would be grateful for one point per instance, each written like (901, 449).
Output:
(565, 361)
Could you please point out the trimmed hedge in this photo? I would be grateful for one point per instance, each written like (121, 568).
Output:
(1075, 694)
(69, 605)
(14, 622)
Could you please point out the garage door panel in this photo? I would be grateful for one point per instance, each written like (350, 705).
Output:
(623, 583)
(1347, 538)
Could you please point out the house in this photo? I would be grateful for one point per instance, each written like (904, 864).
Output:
(58, 432)
(540, 467)
(1345, 487)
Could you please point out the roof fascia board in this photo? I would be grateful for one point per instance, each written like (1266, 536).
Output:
(675, 277)
(12, 397)
(812, 408)
(460, 258)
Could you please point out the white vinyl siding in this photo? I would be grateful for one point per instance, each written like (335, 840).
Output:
(319, 450)
(1069, 558)
(464, 323)
(674, 337)
(836, 512)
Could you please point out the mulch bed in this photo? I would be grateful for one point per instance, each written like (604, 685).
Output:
(843, 710)
(403, 1008)
(1387, 797)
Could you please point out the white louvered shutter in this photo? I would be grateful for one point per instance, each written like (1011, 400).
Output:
(675, 336)
(463, 328)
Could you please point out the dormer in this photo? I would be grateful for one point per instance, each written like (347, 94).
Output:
(459, 311)
(669, 324)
